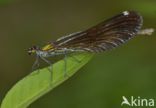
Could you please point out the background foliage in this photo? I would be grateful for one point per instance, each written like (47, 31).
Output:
(127, 70)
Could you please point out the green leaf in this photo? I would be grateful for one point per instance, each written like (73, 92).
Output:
(38, 83)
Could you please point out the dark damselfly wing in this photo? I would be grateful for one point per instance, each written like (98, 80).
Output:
(104, 36)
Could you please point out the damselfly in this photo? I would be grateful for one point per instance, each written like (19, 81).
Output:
(104, 36)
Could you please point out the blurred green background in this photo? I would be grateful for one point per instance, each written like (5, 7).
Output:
(129, 70)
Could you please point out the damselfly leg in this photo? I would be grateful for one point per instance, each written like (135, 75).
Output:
(36, 64)
(50, 68)
(65, 64)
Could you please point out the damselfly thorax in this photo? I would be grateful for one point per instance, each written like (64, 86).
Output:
(104, 36)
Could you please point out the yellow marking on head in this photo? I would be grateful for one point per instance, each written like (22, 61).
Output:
(33, 51)
(47, 47)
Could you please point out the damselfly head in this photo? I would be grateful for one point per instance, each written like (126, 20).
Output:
(33, 50)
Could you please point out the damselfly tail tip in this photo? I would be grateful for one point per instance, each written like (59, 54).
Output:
(148, 31)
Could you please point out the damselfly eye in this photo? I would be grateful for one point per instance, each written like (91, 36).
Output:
(32, 50)
(35, 48)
